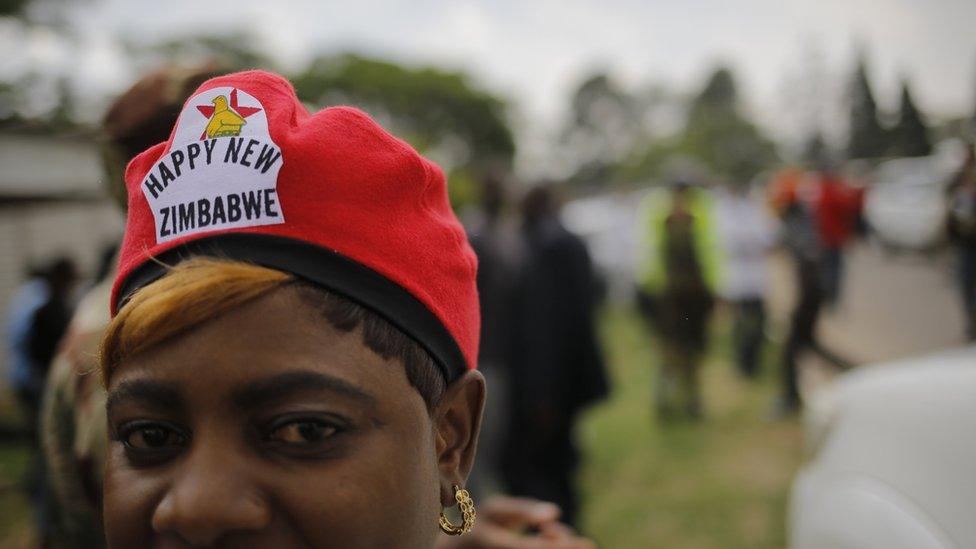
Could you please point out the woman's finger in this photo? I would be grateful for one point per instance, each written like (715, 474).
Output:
(516, 513)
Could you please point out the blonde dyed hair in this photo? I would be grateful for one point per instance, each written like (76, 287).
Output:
(190, 293)
(200, 289)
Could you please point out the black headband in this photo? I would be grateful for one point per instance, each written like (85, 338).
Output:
(322, 267)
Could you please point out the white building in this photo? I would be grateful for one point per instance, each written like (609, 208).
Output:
(52, 202)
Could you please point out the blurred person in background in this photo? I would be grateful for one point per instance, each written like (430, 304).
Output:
(559, 367)
(837, 209)
(677, 288)
(24, 303)
(74, 423)
(745, 234)
(45, 329)
(499, 252)
(782, 187)
(801, 236)
(962, 235)
(35, 322)
(105, 266)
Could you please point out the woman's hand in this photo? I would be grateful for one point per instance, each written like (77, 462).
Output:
(502, 521)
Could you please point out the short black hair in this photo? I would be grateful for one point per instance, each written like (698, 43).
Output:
(381, 337)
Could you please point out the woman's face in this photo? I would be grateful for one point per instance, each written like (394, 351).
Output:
(266, 427)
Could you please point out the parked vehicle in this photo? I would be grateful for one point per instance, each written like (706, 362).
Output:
(892, 455)
(906, 203)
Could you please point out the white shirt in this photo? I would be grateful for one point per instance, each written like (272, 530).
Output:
(745, 232)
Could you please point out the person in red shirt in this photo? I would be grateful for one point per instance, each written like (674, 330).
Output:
(836, 208)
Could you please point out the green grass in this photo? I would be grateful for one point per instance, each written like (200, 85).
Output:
(719, 483)
(15, 509)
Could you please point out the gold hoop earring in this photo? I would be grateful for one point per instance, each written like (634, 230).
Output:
(466, 505)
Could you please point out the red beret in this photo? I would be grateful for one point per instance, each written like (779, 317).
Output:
(248, 174)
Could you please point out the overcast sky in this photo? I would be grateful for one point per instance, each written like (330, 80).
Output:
(534, 51)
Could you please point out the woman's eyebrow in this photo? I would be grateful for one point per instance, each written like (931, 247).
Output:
(158, 394)
(278, 387)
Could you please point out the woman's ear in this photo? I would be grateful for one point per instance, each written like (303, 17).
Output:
(457, 419)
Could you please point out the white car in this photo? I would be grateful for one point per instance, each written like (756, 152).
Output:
(892, 458)
(906, 205)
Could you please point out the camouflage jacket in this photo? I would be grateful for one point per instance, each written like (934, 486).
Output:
(73, 426)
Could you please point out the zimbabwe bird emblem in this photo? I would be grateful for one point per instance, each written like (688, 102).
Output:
(226, 117)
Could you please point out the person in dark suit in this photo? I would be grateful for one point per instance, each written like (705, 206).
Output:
(559, 368)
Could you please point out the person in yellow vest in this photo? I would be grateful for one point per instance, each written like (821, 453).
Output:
(677, 280)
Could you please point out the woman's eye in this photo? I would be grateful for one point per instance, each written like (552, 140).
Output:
(302, 432)
(152, 437)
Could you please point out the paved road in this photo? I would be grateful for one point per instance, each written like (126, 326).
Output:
(892, 306)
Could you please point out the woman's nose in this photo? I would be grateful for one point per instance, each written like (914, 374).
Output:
(210, 498)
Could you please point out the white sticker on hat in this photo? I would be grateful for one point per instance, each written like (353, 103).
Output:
(221, 171)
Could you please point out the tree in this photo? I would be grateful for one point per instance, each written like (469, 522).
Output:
(716, 137)
(440, 113)
(719, 96)
(815, 150)
(13, 7)
(230, 52)
(437, 111)
(866, 137)
(603, 128)
(910, 136)
(720, 136)
(37, 13)
(25, 95)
